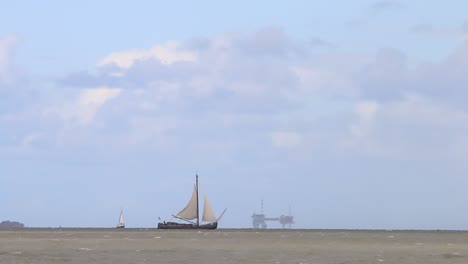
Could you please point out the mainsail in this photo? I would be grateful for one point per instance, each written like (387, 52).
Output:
(190, 211)
(208, 213)
(121, 219)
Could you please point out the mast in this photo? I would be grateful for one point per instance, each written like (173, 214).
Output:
(198, 214)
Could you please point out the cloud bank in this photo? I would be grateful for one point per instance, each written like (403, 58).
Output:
(257, 103)
(273, 89)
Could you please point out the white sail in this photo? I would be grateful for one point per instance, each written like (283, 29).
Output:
(208, 213)
(121, 219)
(191, 209)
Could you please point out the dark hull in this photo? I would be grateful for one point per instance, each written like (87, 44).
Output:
(174, 225)
(120, 226)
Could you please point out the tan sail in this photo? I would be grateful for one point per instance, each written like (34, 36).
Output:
(190, 211)
(208, 213)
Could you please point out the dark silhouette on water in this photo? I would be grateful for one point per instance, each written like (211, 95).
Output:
(9, 224)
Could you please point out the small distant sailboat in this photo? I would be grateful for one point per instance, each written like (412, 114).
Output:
(191, 212)
(121, 223)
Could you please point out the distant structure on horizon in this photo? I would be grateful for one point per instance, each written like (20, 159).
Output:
(259, 220)
(8, 224)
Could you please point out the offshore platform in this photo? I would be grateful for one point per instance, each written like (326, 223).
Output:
(259, 220)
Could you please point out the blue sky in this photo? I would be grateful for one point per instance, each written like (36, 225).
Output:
(350, 112)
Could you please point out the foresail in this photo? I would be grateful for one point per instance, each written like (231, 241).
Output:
(190, 211)
(208, 213)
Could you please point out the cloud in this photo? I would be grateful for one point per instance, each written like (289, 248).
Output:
(432, 31)
(414, 128)
(255, 106)
(230, 67)
(362, 128)
(320, 43)
(366, 112)
(16, 92)
(167, 53)
(465, 30)
(286, 139)
(91, 100)
(265, 74)
(384, 5)
(84, 108)
(259, 89)
(6, 44)
(443, 81)
(386, 76)
(264, 43)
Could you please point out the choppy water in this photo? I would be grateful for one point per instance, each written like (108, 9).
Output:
(230, 246)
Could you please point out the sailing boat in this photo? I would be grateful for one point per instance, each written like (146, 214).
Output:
(121, 223)
(191, 212)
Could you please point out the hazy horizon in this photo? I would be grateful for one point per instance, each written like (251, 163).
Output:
(352, 114)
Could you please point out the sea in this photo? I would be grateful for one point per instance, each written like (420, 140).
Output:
(233, 246)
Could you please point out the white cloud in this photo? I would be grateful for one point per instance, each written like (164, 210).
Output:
(151, 131)
(411, 128)
(286, 139)
(84, 108)
(361, 128)
(90, 100)
(357, 96)
(366, 112)
(240, 105)
(319, 79)
(277, 93)
(29, 139)
(167, 53)
(384, 5)
(6, 44)
(429, 30)
(418, 110)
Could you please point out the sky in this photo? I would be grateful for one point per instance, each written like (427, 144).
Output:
(352, 114)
